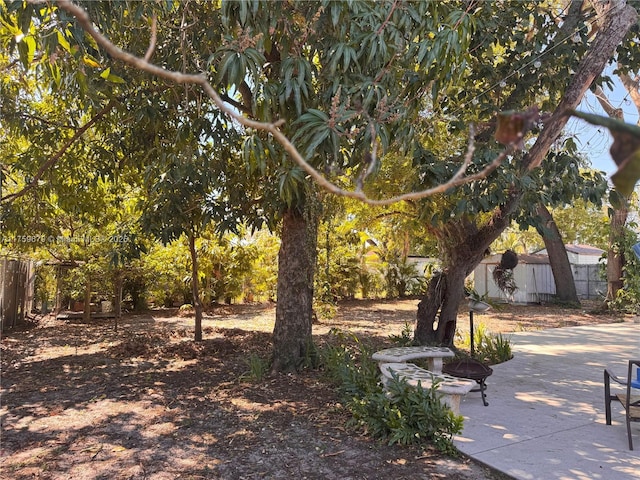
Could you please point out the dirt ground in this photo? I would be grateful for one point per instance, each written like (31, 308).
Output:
(81, 401)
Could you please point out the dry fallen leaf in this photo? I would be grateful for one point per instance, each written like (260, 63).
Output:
(512, 126)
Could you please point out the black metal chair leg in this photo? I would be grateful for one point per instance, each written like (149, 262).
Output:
(483, 387)
(607, 397)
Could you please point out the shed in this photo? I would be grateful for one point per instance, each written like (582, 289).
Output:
(532, 275)
(587, 269)
(580, 254)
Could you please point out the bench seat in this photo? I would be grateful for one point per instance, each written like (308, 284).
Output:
(451, 389)
(434, 355)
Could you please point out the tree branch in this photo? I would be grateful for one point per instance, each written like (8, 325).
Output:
(620, 18)
(54, 159)
(612, 111)
(239, 105)
(154, 37)
(384, 24)
(633, 87)
(46, 122)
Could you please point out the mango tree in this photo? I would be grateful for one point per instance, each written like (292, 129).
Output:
(515, 64)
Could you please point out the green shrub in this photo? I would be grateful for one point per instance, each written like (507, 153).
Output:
(627, 299)
(405, 338)
(311, 356)
(324, 310)
(349, 365)
(489, 348)
(496, 349)
(258, 368)
(400, 414)
(407, 415)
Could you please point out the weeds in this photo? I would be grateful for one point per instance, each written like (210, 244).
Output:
(258, 368)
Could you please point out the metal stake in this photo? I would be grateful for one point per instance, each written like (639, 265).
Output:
(471, 332)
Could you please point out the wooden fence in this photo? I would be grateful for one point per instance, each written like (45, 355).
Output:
(16, 291)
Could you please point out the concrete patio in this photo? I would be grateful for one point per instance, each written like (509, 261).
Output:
(545, 418)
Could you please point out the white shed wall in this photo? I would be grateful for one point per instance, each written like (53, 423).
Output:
(422, 263)
(534, 281)
(576, 259)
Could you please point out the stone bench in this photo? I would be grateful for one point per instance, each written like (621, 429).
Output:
(451, 389)
(433, 355)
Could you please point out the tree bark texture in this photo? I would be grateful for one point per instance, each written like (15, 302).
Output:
(617, 21)
(117, 297)
(292, 339)
(558, 258)
(195, 288)
(615, 258)
(445, 293)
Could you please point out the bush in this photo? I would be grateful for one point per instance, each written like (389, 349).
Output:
(489, 348)
(324, 309)
(405, 337)
(402, 414)
(627, 299)
(407, 415)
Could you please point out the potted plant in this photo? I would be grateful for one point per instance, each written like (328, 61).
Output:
(476, 301)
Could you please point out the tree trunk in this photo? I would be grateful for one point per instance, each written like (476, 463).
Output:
(117, 295)
(195, 287)
(444, 293)
(86, 312)
(615, 258)
(294, 309)
(465, 247)
(558, 258)
(59, 276)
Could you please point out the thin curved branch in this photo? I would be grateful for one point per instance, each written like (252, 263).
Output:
(633, 87)
(240, 106)
(154, 38)
(54, 159)
(605, 103)
(273, 128)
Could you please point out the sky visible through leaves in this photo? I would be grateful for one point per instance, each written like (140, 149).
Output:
(594, 141)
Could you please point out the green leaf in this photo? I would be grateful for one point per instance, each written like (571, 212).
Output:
(628, 174)
(31, 47)
(625, 150)
(91, 61)
(336, 10)
(113, 78)
(62, 41)
(335, 53)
